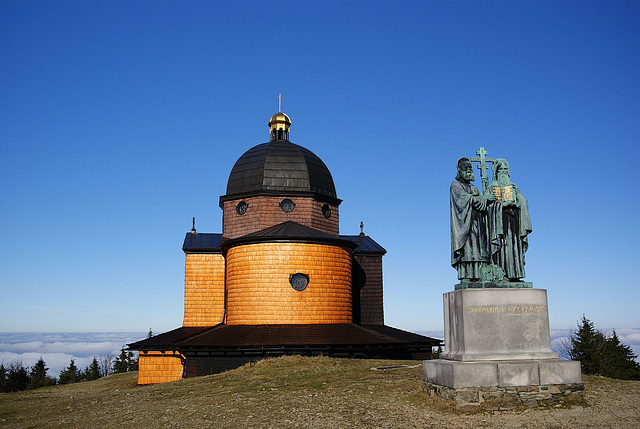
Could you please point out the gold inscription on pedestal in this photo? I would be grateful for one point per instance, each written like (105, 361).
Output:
(510, 310)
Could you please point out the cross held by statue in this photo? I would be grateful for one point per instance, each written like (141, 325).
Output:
(483, 166)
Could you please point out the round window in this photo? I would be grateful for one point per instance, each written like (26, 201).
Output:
(242, 207)
(287, 205)
(299, 281)
(326, 211)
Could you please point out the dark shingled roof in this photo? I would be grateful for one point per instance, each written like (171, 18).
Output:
(168, 338)
(224, 336)
(365, 244)
(202, 243)
(289, 231)
(280, 166)
(212, 243)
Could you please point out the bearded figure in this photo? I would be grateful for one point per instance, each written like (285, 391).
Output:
(469, 226)
(509, 223)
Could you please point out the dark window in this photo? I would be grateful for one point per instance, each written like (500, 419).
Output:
(326, 211)
(242, 207)
(299, 281)
(287, 205)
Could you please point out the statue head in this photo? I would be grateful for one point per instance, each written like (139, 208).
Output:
(501, 173)
(465, 170)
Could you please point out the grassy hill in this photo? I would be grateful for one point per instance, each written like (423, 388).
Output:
(296, 392)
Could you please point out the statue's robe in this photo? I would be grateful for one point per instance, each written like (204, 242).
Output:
(509, 225)
(469, 231)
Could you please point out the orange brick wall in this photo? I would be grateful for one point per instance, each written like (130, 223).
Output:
(203, 289)
(264, 211)
(159, 367)
(258, 288)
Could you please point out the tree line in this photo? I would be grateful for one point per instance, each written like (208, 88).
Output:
(600, 354)
(15, 376)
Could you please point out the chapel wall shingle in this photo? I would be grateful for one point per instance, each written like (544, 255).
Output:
(159, 367)
(371, 295)
(259, 292)
(203, 289)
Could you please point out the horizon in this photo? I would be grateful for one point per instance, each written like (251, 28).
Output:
(58, 351)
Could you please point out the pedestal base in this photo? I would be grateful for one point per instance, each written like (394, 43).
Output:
(504, 383)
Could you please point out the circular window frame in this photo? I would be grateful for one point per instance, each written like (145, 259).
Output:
(299, 281)
(287, 205)
(326, 211)
(241, 208)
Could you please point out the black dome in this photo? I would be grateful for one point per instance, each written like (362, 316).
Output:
(280, 167)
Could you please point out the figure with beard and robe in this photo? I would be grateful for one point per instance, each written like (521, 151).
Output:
(509, 223)
(469, 227)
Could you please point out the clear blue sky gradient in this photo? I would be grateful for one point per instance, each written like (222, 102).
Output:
(121, 120)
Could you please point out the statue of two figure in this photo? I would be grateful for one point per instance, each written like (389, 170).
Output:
(489, 230)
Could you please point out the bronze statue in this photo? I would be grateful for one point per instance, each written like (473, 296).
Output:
(489, 229)
(509, 222)
(469, 226)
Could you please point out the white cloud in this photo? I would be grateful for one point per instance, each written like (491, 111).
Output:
(57, 349)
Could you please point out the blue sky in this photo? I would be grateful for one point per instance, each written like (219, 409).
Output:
(121, 120)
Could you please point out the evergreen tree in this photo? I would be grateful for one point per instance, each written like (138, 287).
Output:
(92, 372)
(126, 361)
(602, 355)
(71, 374)
(620, 360)
(39, 377)
(587, 344)
(121, 363)
(17, 377)
(3, 379)
(132, 362)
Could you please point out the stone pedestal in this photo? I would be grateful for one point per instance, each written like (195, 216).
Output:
(496, 324)
(497, 343)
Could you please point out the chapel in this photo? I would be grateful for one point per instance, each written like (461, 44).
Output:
(279, 279)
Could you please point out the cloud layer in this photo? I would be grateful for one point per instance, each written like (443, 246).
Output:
(57, 349)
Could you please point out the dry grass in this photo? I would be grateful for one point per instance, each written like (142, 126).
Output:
(296, 392)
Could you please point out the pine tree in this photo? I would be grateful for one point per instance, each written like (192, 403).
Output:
(71, 374)
(17, 377)
(132, 362)
(126, 361)
(602, 355)
(121, 363)
(39, 377)
(586, 346)
(620, 361)
(3, 379)
(92, 372)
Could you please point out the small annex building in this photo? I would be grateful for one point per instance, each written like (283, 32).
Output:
(279, 279)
